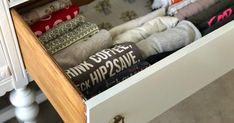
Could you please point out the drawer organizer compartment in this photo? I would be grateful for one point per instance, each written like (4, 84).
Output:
(139, 98)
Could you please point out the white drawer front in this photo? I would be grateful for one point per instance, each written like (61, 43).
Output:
(2, 57)
(153, 91)
(4, 69)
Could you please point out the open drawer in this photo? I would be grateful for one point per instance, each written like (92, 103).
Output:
(139, 98)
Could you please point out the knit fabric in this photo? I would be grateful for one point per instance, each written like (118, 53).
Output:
(216, 18)
(194, 8)
(157, 57)
(137, 22)
(119, 77)
(217, 25)
(54, 19)
(62, 28)
(156, 25)
(208, 13)
(81, 50)
(172, 10)
(36, 14)
(82, 32)
(103, 65)
(110, 13)
(163, 3)
(172, 39)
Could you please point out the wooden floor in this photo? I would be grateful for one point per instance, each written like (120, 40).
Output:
(212, 104)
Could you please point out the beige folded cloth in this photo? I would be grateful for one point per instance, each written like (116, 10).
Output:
(136, 22)
(158, 24)
(172, 39)
(81, 50)
(42, 11)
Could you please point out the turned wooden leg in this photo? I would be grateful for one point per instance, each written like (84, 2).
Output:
(26, 109)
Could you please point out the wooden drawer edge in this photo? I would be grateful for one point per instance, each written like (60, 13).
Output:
(41, 66)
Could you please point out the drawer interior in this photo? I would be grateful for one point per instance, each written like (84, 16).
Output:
(72, 107)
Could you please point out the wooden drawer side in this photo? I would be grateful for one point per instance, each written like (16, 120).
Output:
(48, 75)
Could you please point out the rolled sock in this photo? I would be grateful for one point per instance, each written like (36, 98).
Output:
(157, 57)
(163, 3)
(62, 28)
(103, 65)
(160, 3)
(38, 13)
(119, 77)
(81, 50)
(217, 25)
(136, 22)
(210, 12)
(82, 32)
(216, 18)
(194, 8)
(172, 10)
(54, 19)
(156, 25)
(183, 34)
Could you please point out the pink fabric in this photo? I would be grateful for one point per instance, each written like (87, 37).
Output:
(54, 19)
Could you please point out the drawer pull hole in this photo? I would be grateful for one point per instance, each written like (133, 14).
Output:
(118, 119)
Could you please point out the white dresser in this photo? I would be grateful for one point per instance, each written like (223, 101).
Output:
(138, 99)
(12, 72)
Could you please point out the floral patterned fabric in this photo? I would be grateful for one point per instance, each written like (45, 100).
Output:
(110, 13)
(86, 30)
(62, 28)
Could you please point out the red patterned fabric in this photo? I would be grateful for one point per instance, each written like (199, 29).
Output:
(54, 19)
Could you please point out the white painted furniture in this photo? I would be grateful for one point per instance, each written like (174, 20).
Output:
(12, 72)
(145, 95)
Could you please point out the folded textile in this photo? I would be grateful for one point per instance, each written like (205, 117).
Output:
(216, 18)
(172, 9)
(37, 13)
(163, 3)
(137, 22)
(217, 25)
(119, 77)
(62, 28)
(110, 13)
(82, 32)
(208, 13)
(194, 8)
(172, 39)
(103, 65)
(157, 57)
(81, 50)
(54, 19)
(156, 25)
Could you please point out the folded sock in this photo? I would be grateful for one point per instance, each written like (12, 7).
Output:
(54, 19)
(172, 39)
(156, 25)
(172, 10)
(210, 12)
(36, 14)
(155, 58)
(103, 65)
(217, 25)
(136, 22)
(86, 30)
(62, 28)
(194, 8)
(81, 50)
(216, 18)
(163, 3)
(119, 77)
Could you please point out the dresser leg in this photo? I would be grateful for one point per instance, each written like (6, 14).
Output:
(26, 109)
